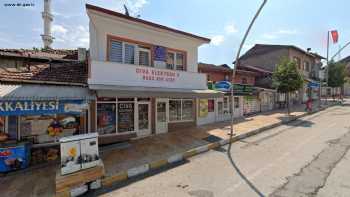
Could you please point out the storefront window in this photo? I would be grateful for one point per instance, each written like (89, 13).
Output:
(225, 102)
(106, 120)
(143, 116)
(46, 128)
(187, 110)
(126, 117)
(220, 108)
(236, 102)
(175, 110)
(180, 110)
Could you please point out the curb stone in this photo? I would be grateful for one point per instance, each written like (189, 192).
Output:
(132, 172)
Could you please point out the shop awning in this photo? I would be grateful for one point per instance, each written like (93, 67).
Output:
(131, 91)
(44, 92)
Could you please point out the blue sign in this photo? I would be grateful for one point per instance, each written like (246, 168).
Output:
(29, 107)
(313, 85)
(160, 53)
(14, 158)
(224, 86)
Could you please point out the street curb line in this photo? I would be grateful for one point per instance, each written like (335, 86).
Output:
(138, 170)
(142, 169)
(158, 164)
(110, 180)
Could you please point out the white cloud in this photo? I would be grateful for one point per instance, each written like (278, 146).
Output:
(59, 29)
(217, 40)
(270, 36)
(230, 29)
(279, 33)
(287, 32)
(71, 36)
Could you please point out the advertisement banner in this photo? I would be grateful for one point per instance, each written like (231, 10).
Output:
(203, 108)
(29, 107)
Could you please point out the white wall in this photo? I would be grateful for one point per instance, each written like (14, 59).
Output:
(102, 25)
(112, 73)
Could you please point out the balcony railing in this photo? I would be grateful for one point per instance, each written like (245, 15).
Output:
(112, 73)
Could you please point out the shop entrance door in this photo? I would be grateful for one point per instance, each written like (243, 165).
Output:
(162, 111)
(144, 119)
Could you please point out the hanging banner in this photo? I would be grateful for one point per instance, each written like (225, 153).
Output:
(29, 107)
(203, 108)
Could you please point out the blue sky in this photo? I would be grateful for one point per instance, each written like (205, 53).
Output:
(296, 22)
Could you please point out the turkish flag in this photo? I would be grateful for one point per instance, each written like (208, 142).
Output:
(335, 36)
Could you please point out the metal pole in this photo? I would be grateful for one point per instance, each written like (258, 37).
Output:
(237, 63)
(340, 50)
(327, 62)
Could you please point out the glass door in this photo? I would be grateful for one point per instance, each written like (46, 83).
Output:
(162, 111)
(144, 120)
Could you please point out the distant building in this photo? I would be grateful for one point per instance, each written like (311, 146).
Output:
(267, 57)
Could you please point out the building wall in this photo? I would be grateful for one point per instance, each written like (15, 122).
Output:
(239, 78)
(303, 57)
(267, 61)
(216, 76)
(102, 25)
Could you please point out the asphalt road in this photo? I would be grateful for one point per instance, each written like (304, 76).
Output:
(308, 157)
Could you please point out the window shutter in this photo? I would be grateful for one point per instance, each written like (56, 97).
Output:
(116, 51)
(129, 54)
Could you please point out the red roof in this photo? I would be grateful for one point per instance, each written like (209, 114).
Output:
(56, 54)
(120, 15)
(69, 73)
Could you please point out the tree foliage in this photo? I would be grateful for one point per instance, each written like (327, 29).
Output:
(286, 77)
(337, 74)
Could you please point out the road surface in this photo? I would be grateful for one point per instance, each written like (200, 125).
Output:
(308, 157)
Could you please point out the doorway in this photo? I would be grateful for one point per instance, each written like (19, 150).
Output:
(144, 119)
(162, 112)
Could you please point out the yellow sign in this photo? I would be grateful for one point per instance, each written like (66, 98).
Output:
(203, 108)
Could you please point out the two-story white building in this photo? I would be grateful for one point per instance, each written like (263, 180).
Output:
(145, 76)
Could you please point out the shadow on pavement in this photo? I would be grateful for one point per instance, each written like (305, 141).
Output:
(245, 179)
(134, 179)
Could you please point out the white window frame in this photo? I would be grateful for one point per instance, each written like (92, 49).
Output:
(181, 106)
(136, 53)
(175, 56)
(149, 55)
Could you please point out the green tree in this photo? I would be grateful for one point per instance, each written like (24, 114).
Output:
(336, 74)
(286, 78)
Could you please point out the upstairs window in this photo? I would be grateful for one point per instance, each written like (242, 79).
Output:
(298, 62)
(129, 54)
(175, 60)
(307, 66)
(116, 51)
(170, 60)
(144, 56)
(180, 61)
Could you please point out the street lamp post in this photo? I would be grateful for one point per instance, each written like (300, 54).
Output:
(237, 64)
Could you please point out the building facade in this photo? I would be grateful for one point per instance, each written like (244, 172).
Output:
(309, 64)
(145, 76)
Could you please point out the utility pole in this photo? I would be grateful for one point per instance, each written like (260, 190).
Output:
(327, 65)
(237, 64)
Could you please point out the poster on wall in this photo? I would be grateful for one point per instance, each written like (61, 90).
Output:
(211, 105)
(203, 108)
(106, 118)
(125, 117)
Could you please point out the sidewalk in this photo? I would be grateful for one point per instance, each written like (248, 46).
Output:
(141, 155)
